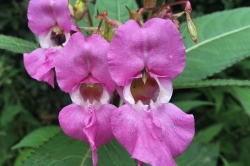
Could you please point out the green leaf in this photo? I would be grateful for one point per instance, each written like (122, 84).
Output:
(198, 154)
(64, 151)
(208, 134)
(37, 137)
(223, 40)
(209, 83)
(186, 106)
(23, 155)
(225, 162)
(236, 164)
(116, 9)
(9, 114)
(16, 45)
(243, 96)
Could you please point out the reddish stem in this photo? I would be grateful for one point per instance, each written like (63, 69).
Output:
(169, 4)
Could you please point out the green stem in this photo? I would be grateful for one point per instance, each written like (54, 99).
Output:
(90, 19)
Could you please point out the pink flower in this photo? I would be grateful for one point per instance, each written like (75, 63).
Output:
(51, 21)
(142, 62)
(82, 71)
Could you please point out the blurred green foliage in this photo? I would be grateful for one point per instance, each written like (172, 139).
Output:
(25, 104)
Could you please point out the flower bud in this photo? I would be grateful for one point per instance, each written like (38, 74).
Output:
(108, 33)
(80, 10)
(188, 7)
(149, 3)
(191, 27)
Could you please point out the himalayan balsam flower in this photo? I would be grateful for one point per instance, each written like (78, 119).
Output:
(142, 62)
(82, 71)
(51, 21)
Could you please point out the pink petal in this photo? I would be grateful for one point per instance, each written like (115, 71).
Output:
(39, 64)
(81, 59)
(41, 17)
(164, 47)
(62, 14)
(89, 125)
(97, 48)
(125, 56)
(135, 130)
(44, 14)
(177, 127)
(157, 46)
(74, 27)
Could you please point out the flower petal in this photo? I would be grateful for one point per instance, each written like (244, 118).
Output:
(62, 14)
(134, 129)
(97, 49)
(164, 47)
(41, 16)
(70, 64)
(81, 59)
(177, 127)
(157, 46)
(125, 56)
(44, 40)
(165, 89)
(89, 125)
(39, 64)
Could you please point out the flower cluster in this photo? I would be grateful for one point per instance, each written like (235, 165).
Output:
(139, 62)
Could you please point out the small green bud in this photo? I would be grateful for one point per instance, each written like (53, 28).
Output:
(80, 9)
(191, 27)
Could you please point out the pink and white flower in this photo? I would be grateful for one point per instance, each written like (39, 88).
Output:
(82, 71)
(142, 62)
(50, 20)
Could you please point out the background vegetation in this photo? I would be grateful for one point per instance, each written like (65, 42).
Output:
(221, 113)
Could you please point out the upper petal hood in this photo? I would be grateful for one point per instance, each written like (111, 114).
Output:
(165, 49)
(81, 59)
(125, 55)
(44, 14)
(62, 14)
(157, 46)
